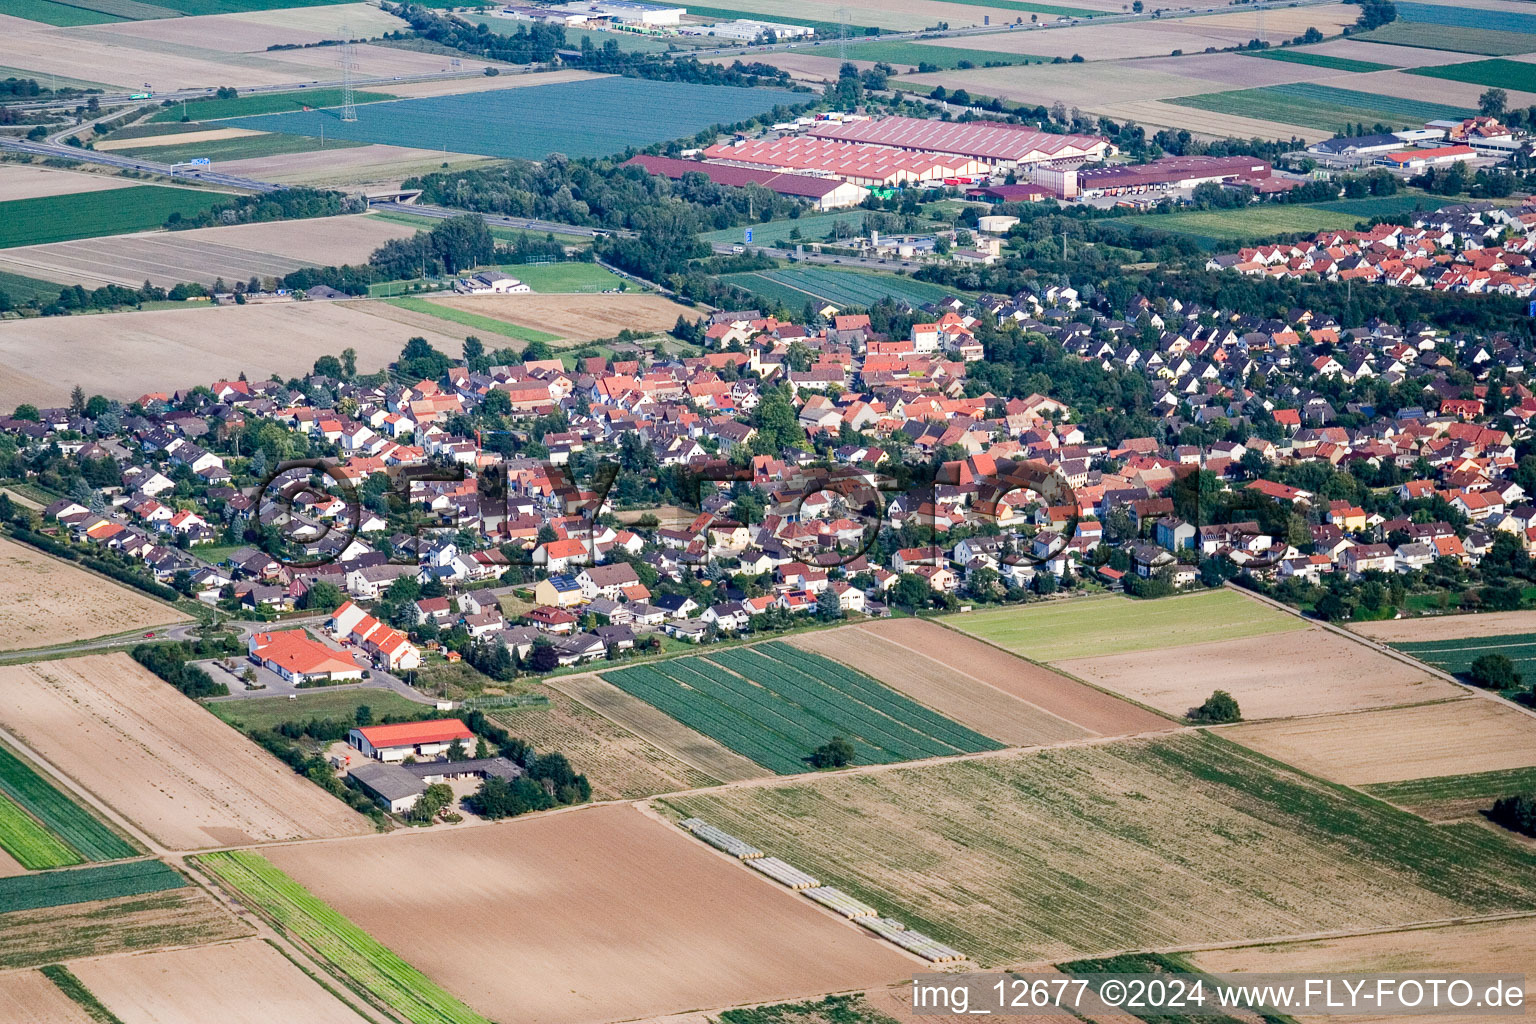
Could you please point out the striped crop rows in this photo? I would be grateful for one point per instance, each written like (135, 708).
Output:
(83, 885)
(57, 815)
(775, 704)
(347, 947)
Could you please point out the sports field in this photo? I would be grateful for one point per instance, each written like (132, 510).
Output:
(1499, 73)
(1138, 844)
(474, 321)
(1320, 60)
(594, 117)
(572, 276)
(92, 214)
(1322, 107)
(794, 286)
(812, 227)
(775, 704)
(1118, 625)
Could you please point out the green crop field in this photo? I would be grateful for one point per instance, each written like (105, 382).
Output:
(1117, 625)
(61, 15)
(244, 147)
(794, 286)
(22, 289)
(1452, 38)
(1072, 851)
(1266, 220)
(59, 814)
(28, 843)
(589, 118)
(1319, 60)
(474, 321)
(351, 950)
(1456, 656)
(949, 58)
(1450, 796)
(1321, 107)
(265, 103)
(92, 214)
(194, 7)
(499, 232)
(82, 885)
(775, 704)
(1500, 73)
(1466, 17)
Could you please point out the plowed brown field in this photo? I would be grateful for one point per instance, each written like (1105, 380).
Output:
(46, 600)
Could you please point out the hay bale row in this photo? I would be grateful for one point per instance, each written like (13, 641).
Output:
(721, 840)
(840, 902)
(892, 930)
(783, 873)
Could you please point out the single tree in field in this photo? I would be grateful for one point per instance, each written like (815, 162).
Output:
(1493, 672)
(836, 753)
(1491, 102)
(1516, 813)
(1219, 707)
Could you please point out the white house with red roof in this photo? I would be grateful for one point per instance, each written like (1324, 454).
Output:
(396, 742)
(299, 658)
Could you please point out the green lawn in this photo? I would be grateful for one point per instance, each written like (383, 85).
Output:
(265, 103)
(1456, 39)
(574, 276)
(1081, 627)
(257, 713)
(21, 289)
(1498, 73)
(244, 147)
(1322, 107)
(1320, 60)
(92, 214)
(474, 321)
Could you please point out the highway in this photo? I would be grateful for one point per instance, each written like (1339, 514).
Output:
(204, 177)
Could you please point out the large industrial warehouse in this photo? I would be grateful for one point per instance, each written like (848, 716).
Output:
(854, 162)
(823, 193)
(993, 145)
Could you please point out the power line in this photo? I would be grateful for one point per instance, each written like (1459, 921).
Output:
(348, 66)
(842, 33)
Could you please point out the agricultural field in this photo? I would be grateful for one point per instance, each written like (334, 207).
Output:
(1500, 73)
(31, 846)
(235, 253)
(913, 54)
(1451, 38)
(1299, 672)
(60, 818)
(160, 760)
(633, 715)
(669, 926)
(354, 165)
(50, 13)
(994, 693)
(1325, 108)
(21, 288)
(1256, 223)
(172, 917)
(1071, 851)
(1320, 60)
(619, 764)
(1457, 737)
(794, 286)
(475, 322)
(775, 704)
(59, 218)
(250, 982)
(1121, 625)
(46, 600)
(230, 145)
(1483, 625)
(1500, 20)
(253, 714)
(125, 355)
(1456, 656)
(33, 181)
(1451, 797)
(265, 103)
(587, 118)
(85, 885)
(575, 318)
(29, 997)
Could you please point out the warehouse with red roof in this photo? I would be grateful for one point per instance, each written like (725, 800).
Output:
(300, 659)
(854, 162)
(996, 144)
(823, 193)
(401, 740)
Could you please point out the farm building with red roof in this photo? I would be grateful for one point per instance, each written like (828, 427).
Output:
(400, 740)
(300, 659)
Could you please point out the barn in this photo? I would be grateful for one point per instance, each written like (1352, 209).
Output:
(401, 740)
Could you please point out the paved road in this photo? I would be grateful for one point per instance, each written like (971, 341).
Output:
(205, 177)
(497, 220)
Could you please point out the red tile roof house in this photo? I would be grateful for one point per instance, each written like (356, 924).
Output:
(411, 739)
(301, 660)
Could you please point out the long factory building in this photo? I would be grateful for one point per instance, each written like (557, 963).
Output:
(993, 145)
(823, 193)
(870, 166)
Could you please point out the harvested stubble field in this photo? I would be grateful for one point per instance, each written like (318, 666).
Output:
(1306, 672)
(652, 726)
(353, 165)
(995, 693)
(1450, 797)
(1449, 738)
(45, 600)
(249, 981)
(776, 704)
(619, 764)
(1088, 849)
(28, 997)
(159, 759)
(1447, 627)
(578, 317)
(1502, 947)
(125, 355)
(1073, 627)
(176, 917)
(29, 181)
(254, 31)
(518, 919)
(235, 253)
